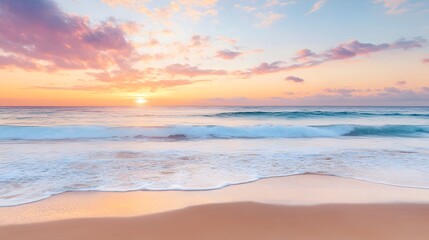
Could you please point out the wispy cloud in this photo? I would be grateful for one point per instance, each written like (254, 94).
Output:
(388, 96)
(267, 19)
(272, 3)
(317, 6)
(194, 9)
(306, 58)
(393, 6)
(245, 8)
(191, 71)
(146, 85)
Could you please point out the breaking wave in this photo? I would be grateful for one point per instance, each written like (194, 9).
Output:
(207, 132)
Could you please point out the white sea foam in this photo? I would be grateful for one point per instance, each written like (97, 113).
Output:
(118, 149)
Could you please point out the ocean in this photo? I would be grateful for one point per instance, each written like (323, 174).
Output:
(46, 151)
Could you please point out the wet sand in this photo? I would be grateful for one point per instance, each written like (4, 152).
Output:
(297, 207)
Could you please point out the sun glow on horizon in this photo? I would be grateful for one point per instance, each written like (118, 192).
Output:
(140, 100)
(213, 53)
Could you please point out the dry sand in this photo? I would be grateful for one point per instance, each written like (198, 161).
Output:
(298, 207)
(247, 221)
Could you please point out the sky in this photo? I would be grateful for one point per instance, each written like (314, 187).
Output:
(214, 52)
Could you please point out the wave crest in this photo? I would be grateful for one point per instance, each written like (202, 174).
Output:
(207, 132)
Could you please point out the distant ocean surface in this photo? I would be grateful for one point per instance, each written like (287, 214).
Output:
(50, 150)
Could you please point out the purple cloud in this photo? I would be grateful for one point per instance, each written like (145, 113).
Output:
(228, 54)
(199, 41)
(356, 48)
(265, 68)
(401, 83)
(392, 90)
(8, 61)
(336, 97)
(307, 58)
(294, 79)
(38, 30)
(346, 92)
(303, 54)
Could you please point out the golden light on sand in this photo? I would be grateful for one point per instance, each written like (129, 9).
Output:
(141, 100)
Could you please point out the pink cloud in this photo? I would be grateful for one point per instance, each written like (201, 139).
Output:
(317, 6)
(352, 49)
(426, 60)
(197, 44)
(393, 6)
(304, 54)
(39, 30)
(228, 54)
(12, 61)
(128, 86)
(199, 41)
(227, 40)
(191, 71)
(121, 76)
(265, 68)
(153, 42)
(130, 28)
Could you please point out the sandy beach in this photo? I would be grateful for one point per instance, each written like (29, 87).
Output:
(214, 120)
(296, 207)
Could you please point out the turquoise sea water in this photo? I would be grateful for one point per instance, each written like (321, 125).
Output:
(50, 150)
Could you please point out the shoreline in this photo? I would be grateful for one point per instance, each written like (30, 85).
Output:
(300, 207)
(215, 188)
(294, 190)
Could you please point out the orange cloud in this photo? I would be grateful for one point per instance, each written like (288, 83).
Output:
(194, 9)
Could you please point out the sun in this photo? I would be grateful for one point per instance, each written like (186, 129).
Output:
(140, 100)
